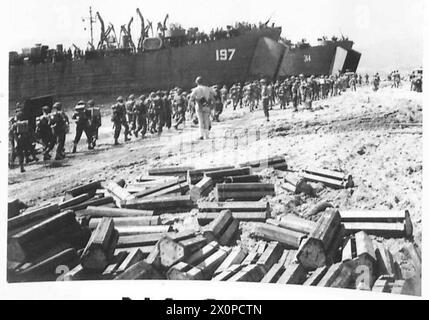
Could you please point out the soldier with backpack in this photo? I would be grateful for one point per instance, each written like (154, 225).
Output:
(59, 123)
(82, 116)
(44, 132)
(21, 134)
(95, 121)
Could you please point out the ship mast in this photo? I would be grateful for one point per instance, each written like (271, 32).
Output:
(91, 21)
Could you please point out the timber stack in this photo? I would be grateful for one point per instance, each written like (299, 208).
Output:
(106, 230)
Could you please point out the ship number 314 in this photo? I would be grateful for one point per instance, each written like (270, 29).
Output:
(224, 54)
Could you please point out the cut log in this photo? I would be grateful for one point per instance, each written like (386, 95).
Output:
(294, 223)
(294, 274)
(172, 252)
(274, 273)
(334, 252)
(289, 238)
(74, 201)
(129, 221)
(216, 228)
(101, 246)
(79, 273)
(242, 179)
(194, 176)
(368, 216)
(270, 256)
(102, 212)
(162, 204)
(320, 207)
(201, 189)
(345, 276)
(169, 171)
(249, 206)
(140, 270)
(219, 176)
(207, 217)
(134, 230)
(229, 233)
(177, 189)
(235, 257)
(208, 266)
(89, 188)
(386, 264)
(243, 191)
(36, 214)
(250, 273)
(312, 252)
(383, 229)
(155, 179)
(331, 183)
(119, 194)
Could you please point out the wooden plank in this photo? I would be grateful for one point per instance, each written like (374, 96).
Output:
(382, 284)
(312, 253)
(162, 204)
(289, 238)
(263, 162)
(229, 233)
(131, 257)
(235, 257)
(331, 183)
(294, 223)
(170, 171)
(383, 229)
(294, 274)
(316, 276)
(179, 189)
(270, 256)
(202, 253)
(206, 217)
(218, 176)
(194, 176)
(331, 274)
(146, 250)
(250, 273)
(101, 212)
(242, 179)
(184, 271)
(14, 207)
(134, 230)
(110, 271)
(129, 221)
(330, 174)
(242, 195)
(290, 258)
(228, 273)
(100, 248)
(95, 202)
(90, 188)
(209, 265)
(79, 273)
(252, 256)
(141, 239)
(385, 261)
(33, 214)
(242, 206)
(73, 201)
(119, 194)
(273, 273)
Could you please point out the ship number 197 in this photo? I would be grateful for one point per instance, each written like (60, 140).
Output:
(224, 54)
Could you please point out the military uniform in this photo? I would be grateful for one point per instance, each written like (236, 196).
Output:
(119, 120)
(266, 96)
(44, 133)
(130, 116)
(218, 105)
(94, 122)
(179, 104)
(21, 134)
(59, 123)
(140, 111)
(82, 116)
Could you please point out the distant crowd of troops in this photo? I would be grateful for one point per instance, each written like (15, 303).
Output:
(151, 113)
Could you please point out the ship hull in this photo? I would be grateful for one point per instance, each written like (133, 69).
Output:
(253, 55)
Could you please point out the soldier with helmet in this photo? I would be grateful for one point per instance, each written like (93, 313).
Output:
(140, 111)
(59, 123)
(21, 134)
(94, 121)
(44, 132)
(179, 105)
(119, 119)
(129, 106)
(82, 117)
(266, 97)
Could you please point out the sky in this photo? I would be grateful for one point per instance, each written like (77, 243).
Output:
(388, 33)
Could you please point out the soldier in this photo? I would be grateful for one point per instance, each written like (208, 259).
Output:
(44, 132)
(179, 104)
(122, 111)
(59, 123)
(118, 113)
(130, 117)
(376, 82)
(218, 106)
(82, 118)
(367, 79)
(282, 95)
(167, 109)
(202, 98)
(266, 96)
(95, 121)
(295, 94)
(20, 131)
(140, 111)
(224, 96)
(352, 83)
(12, 142)
(159, 112)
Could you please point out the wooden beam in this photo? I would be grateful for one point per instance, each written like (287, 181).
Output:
(129, 221)
(161, 204)
(242, 179)
(140, 270)
(294, 223)
(194, 176)
(90, 188)
(119, 194)
(216, 228)
(170, 171)
(218, 176)
(383, 229)
(172, 252)
(289, 238)
(236, 256)
(101, 212)
(33, 214)
(294, 274)
(240, 206)
(250, 273)
(270, 256)
(206, 217)
(74, 201)
(201, 189)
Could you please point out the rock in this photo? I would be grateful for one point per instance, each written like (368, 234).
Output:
(361, 151)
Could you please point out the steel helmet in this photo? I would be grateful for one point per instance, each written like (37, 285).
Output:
(57, 105)
(91, 103)
(199, 80)
(131, 97)
(120, 99)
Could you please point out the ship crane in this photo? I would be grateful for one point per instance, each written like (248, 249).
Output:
(126, 33)
(162, 27)
(143, 31)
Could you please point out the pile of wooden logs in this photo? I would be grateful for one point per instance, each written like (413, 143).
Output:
(105, 230)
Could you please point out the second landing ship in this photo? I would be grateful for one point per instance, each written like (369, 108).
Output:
(174, 58)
